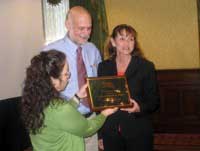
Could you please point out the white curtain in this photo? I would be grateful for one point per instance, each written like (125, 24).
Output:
(54, 20)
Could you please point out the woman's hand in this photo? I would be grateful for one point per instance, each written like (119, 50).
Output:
(109, 111)
(82, 93)
(100, 144)
(133, 109)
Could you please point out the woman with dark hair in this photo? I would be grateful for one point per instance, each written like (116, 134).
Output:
(129, 129)
(53, 123)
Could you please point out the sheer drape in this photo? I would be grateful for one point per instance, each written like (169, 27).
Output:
(54, 20)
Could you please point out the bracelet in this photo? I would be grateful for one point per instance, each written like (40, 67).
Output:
(77, 96)
(76, 99)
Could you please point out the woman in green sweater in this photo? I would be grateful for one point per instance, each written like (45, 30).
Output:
(53, 123)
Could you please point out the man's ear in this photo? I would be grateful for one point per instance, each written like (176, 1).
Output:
(112, 42)
(68, 24)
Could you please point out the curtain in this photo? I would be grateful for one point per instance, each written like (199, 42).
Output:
(99, 20)
(54, 20)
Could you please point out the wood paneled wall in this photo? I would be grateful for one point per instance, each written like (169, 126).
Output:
(178, 120)
(180, 101)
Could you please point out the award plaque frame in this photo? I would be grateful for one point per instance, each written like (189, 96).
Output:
(108, 92)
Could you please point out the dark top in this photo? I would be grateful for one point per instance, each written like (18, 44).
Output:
(141, 78)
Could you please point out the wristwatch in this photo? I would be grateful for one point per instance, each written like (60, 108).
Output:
(76, 98)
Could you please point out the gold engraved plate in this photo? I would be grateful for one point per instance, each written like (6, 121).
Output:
(107, 92)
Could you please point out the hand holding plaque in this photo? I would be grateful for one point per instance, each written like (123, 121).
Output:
(108, 92)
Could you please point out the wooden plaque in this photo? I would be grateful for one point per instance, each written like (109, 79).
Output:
(107, 92)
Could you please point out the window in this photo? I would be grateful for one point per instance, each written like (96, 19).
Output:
(54, 20)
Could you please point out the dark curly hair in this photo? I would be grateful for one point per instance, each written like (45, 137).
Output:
(38, 89)
(129, 30)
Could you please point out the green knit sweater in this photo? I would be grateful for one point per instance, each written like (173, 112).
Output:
(65, 128)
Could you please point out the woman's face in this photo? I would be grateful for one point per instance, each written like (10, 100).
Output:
(124, 43)
(62, 81)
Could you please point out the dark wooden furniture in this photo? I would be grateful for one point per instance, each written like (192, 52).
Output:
(176, 142)
(13, 135)
(177, 123)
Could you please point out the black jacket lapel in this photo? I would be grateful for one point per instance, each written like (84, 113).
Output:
(132, 67)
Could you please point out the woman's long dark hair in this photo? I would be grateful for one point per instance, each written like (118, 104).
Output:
(38, 89)
(129, 30)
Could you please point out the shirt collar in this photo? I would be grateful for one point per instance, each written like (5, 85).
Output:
(71, 43)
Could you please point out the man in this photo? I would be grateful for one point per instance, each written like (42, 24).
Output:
(79, 25)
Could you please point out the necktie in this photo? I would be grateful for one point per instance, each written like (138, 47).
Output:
(82, 74)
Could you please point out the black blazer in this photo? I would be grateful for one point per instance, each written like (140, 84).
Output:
(142, 84)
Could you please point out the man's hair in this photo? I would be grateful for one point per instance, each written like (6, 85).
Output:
(76, 9)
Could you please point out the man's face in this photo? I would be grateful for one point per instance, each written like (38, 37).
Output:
(79, 28)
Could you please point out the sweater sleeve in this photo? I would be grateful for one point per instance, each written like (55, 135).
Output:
(67, 119)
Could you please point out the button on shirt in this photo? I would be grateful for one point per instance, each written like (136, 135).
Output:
(91, 58)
